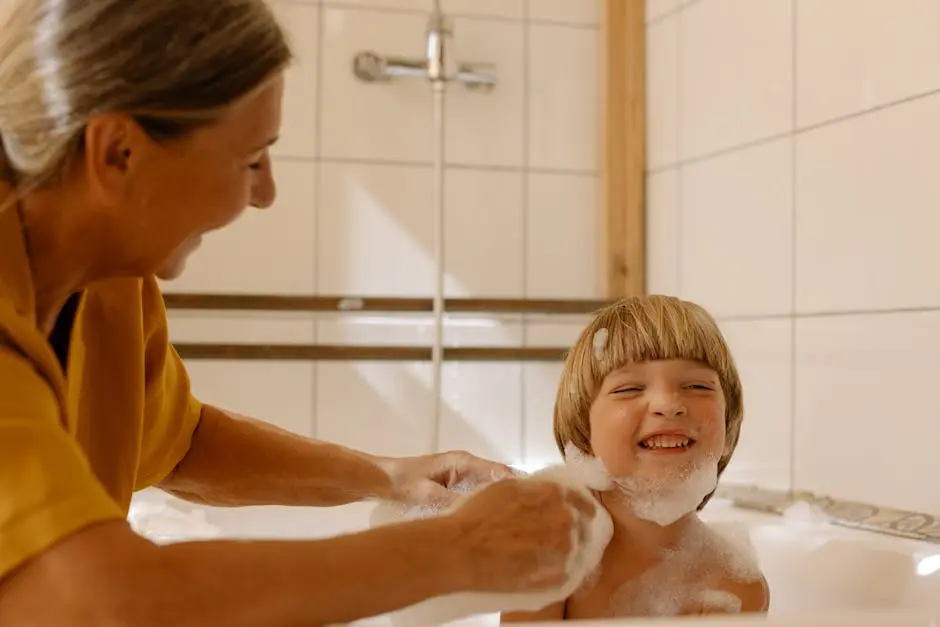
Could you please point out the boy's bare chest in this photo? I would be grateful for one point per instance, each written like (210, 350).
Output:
(674, 585)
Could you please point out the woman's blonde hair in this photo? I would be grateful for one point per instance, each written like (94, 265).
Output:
(633, 330)
(174, 65)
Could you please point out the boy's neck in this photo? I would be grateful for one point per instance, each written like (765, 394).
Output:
(636, 535)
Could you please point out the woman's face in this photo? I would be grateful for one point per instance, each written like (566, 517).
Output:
(180, 190)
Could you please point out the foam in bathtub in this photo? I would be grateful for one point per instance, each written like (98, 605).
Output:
(582, 476)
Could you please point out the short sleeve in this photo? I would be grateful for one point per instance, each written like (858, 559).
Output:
(172, 413)
(47, 487)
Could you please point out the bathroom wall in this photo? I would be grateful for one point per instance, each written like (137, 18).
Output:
(793, 190)
(354, 217)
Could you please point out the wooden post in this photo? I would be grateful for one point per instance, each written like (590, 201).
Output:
(623, 170)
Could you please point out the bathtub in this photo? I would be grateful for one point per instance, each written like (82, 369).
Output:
(819, 573)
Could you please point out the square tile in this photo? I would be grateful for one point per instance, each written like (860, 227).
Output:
(298, 136)
(727, 68)
(510, 9)
(564, 98)
(387, 121)
(880, 56)
(656, 9)
(582, 12)
(481, 409)
(540, 386)
(762, 352)
(484, 239)
(403, 5)
(278, 392)
(563, 236)
(236, 327)
(384, 408)
(867, 219)
(487, 128)
(865, 413)
(662, 232)
(662, 94)
(268, 251)
(376, 230)
(737, 225)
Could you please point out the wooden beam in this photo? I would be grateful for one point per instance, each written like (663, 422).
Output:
(376, 304)
(325, 352)
(623, 168)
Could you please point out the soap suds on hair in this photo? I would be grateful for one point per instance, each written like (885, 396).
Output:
(666, 501)
(600, 343)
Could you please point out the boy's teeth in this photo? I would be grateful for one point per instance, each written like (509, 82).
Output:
(666, 441)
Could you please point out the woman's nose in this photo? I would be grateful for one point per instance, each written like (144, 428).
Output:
(264, 190)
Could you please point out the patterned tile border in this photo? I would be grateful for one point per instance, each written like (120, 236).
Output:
(912, 525)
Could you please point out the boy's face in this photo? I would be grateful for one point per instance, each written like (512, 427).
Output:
(658, 420)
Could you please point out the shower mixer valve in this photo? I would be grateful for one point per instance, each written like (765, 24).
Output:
(437, 66)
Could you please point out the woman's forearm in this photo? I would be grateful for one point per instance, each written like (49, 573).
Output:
(237, 461)
(107, 577)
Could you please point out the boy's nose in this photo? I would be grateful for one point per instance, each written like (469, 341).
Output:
(668, 406)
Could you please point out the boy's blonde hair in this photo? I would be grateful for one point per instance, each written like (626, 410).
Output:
(633, 330)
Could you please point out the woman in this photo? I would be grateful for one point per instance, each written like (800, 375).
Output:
(129, 129)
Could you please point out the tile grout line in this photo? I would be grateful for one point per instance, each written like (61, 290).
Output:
(318, 205)
(795, 132)
(679, 170)
(421, 164)
(526, 208)
(793, 241)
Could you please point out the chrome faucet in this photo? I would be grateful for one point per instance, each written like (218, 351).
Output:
(438, 65)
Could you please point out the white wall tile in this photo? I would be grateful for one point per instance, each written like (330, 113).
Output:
(858, 54)
(727, 71)
(867, 197)
(736, 242)
(662, 93)
(866, 411)
(582, 12)
(762, 353)
(299, 122)
(262, 327)
(264, 251)
(662, 232)
(278, 392)
(562, 235)
(481, 411)
(488, 128)
(540, 385)
(658, 8)
(564, 108)
(512, 9)
(484, 233)
(380, 407)
(386, 120)
(375, 230)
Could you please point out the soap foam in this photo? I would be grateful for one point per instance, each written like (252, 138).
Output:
(679, 582)
(664, 501)
(582, 476)
(600, 343)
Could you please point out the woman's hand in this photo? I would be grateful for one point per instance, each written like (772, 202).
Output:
(517, 535)
(438, 479)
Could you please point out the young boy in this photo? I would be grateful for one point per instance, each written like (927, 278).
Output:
(651, 390)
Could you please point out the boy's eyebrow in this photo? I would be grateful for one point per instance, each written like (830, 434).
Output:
(271, 141)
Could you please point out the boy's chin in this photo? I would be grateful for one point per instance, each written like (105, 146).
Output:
(171, 269)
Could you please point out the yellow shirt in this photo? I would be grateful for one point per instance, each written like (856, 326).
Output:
(74, 449)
